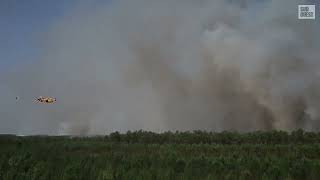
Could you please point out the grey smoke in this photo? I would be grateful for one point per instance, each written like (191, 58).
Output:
(170, 65)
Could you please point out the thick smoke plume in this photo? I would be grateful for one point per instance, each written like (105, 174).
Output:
(170, 65)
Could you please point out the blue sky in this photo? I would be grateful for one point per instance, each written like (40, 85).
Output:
(20, 23)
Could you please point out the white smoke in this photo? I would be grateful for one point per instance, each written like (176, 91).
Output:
(171, 65)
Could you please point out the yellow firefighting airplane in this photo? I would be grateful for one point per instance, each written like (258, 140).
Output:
(46, 100)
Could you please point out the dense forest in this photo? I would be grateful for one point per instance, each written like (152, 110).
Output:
(168, 155)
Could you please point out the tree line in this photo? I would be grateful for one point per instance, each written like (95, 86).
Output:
(169, 155)
(225, 137)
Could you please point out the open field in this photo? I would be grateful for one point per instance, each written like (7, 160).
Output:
(146, 155)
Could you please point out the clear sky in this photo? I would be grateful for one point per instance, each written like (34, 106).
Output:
(23, 21)
(20, 22)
